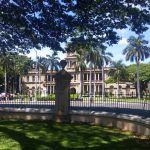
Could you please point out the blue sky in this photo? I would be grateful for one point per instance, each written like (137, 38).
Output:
(116, 49)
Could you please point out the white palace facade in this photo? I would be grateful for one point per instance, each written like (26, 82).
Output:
(45, 84)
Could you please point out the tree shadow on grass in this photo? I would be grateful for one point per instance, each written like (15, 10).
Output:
(52, 136)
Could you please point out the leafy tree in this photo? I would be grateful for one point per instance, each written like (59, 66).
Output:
(26, 24)
(137, 50)
(6, 61)
(1, 79)
(21, 67)
(14, 66)
(118, 72)
(144, 75)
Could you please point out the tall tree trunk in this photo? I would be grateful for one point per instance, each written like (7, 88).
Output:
(81, 82)
(94, 83)
(90, 87)
(103, 84)
(138, 79)
(118, 79)
(39, 82)
(51, 82)
(5, 81)
(20, 84)
(117, 88)
(46, 82)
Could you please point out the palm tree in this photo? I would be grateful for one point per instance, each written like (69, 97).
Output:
(80, 65)
(104, 58)
(97, 58)
(137, 50)
(21, 67)
(92, 59)
(118, 73)
(6, 61)
(42, 67)
(52, 63)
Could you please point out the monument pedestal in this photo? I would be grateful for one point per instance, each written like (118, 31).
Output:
(62, 93)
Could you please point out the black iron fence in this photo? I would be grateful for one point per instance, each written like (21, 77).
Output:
(115, 103)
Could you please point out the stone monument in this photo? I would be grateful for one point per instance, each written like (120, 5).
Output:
(62, 94)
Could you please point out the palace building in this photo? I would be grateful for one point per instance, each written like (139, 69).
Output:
(45, 84)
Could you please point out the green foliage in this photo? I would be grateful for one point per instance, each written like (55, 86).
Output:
(51, 97)
(74, 96)
(118, 72)
(31, 23)
(15, 66)
(110, 80)
(144, 75)
(144, 72)
(137, 49)
(52, 62)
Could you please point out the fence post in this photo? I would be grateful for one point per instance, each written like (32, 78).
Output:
(62, 94)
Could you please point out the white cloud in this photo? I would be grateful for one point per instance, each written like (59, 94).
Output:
(42, 53)
(123, 41)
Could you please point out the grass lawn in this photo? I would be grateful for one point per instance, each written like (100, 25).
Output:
(46, 135)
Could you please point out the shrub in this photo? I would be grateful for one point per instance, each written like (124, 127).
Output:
(50, 97)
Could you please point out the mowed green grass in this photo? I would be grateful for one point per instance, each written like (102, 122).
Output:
(46, 135)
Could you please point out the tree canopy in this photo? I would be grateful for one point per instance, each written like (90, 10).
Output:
(144, 74)
(35, 23)
(137, 49)
(14, 66)
(117, 72)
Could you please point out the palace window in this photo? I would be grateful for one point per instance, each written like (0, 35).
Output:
(120, 89)
(92, 76)
(45, 78)
(48, 90)
(33, 78)
(74, 76)
(49, 77)
(97, 76)
(111, 89)
(27, 78)
(100, 76)
(128, 89)
(85, 89)
(85, 77)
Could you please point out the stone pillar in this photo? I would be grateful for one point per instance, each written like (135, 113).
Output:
(62, 94)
